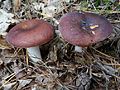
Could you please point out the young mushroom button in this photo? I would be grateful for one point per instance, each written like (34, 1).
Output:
(30, 34)
(83, 29)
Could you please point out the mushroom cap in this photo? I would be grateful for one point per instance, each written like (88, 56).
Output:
(83, 29)
(30, 33)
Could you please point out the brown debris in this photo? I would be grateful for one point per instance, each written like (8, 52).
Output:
(96, 68)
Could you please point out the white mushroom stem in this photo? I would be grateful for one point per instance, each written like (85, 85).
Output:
(78, 49)
(34, 53)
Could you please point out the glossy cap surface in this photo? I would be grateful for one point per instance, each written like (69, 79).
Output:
(30, 33)
(84, 29)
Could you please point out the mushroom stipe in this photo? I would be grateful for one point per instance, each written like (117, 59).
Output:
(30, 34)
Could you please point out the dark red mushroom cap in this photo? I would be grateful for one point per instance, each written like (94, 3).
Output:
(30, 33)
(84, 29)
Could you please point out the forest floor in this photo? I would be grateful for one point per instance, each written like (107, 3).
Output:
(62, 68)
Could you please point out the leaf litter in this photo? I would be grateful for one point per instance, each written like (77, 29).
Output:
(62, 68)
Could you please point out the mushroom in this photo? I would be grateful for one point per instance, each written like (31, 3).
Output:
(84, 29)
(30, 34)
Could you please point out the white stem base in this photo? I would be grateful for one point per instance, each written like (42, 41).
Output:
(34, 54)
(78, 49)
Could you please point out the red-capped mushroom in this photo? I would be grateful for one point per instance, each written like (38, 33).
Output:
(83, 29)
(30, 34)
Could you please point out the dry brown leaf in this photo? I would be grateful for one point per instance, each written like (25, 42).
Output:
(45, 1)
(16, 4)
(4, 44)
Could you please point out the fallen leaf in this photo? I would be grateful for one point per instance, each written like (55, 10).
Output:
(4, 44)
